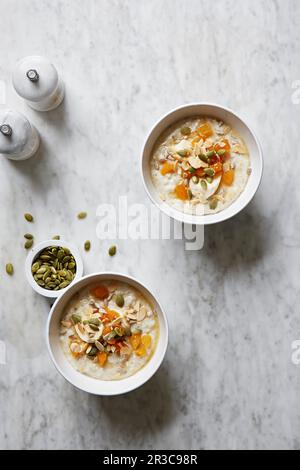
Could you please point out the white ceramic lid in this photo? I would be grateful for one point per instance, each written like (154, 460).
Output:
(35, 78)
(15, 131)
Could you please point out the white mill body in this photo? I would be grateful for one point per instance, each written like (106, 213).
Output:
(36, 80)
(19, 139)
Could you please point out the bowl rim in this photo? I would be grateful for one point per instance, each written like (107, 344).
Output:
(209, 219)
(123, 278)
(36, 250)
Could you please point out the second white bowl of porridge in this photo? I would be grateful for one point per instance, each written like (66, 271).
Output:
(107, 334)
(201, 164)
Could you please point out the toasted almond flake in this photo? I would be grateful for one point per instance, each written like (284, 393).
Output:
(141, 314)
(195, 162)
(67, 324)
(185, 165)
(89, 348)
(131, 316)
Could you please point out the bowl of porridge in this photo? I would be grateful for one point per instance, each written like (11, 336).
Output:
(201, 164)
(107, 334)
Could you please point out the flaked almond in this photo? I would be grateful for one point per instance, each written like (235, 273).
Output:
(67, 324)
(195, 162)
(141, 314)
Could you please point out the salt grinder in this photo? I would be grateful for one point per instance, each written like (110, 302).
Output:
(36, 80)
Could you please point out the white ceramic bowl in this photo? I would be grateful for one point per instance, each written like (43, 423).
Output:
(89, 384)
(33, 253)
(237, 123)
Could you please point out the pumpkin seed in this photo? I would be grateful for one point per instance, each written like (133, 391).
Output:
(35, 267)
(64, 284)
(204, 185)
(210, 154)
(119, 331)
(82, 215)
(190, 194)
(28, 236)
(203, 158)
(209, 171)
(186, 130)
(28, 217)
(209, 179)
(213, 204)
(9, 269)
(28, 244)
(87, 245)
(195, 179)
(92, 352)
(41, 270)
(93, 327)
(183, 153)
(56, 237)
(76, 319)
(221, 152)
(119, 300)
(112, 250)
(72, 265)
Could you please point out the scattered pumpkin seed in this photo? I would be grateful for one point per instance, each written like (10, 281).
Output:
(28, 236)
(209, 179)
(76, 318)
(35, 267)
(209, 171)
(221, 152)
(93, 351)
(56, 237)
(190, 194)
(82, 215)
(186, 130)
(28, 244)
(210, 154)
(204, 185)
(87, 245)
(195, 179)
(183, 153)
(112, 250)
(28, 217)
(203, 158)
(119, 300)
(213, 204)
(9, 269)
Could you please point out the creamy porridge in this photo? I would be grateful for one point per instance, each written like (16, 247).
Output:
(109, 331)
(200, 166)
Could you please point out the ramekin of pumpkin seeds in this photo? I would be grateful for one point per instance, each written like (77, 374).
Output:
(52, 266)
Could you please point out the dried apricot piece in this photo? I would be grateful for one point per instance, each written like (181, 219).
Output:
(218, 167)
(167, 168)
(228, 177)
(102, 358)
(135, 340)
(181, 192)
(146, 340)
(205, 130)
(141, 351)
(100, 292)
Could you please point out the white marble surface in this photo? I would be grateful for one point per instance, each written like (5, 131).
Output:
(228, 380)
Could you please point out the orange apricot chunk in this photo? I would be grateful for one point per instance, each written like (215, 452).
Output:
(102, 358)
(100, 292)
(218, 167)
(141, 351)
(181, 192)
(135, 340)
(228, 177)
(167, 168)
(205, 131)
(146, 340)
(224, 145)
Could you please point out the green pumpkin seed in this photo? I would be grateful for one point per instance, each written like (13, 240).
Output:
(203, 158)
(127, 331)
(82, 215)
(209, 171)
(209, 179)
(64, 284)
(112, 250)
(221, 152)
(119, 300)
(76, 318)
(28, 217)
(41, 270)
(87, 245)
(204, 185)
(195, 179)
(28, 244)
(213, 204)
(186, 130)
(183, 153)
(35, 267)
(9, 269)
(119, 331)
(56, 237)
(93, 351)
(210, 154)
(28, 236)
(190, 194)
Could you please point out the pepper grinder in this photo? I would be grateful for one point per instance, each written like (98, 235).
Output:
(36, 80)
(19, 140)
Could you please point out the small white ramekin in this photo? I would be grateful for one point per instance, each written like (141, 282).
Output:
(89, 384)
(229, 117)
(32, 255)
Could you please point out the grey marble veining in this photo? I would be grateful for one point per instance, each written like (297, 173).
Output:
(228, 380)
